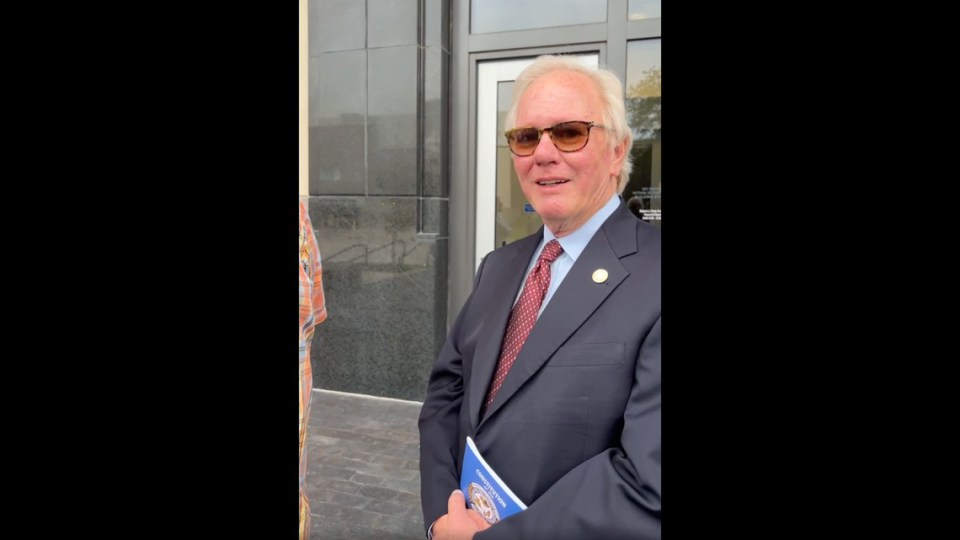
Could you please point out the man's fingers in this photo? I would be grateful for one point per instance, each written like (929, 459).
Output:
(456, 503)
(477, 519)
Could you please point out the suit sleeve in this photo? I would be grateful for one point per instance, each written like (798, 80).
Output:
(616, 494)
(439, 422)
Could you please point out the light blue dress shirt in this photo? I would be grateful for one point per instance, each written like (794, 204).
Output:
(573, 245)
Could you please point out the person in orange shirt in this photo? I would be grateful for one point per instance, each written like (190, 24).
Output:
(312, 312)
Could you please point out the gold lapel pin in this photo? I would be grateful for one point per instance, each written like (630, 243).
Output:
(600, 276)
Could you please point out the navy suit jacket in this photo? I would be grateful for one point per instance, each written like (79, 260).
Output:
(574, 430)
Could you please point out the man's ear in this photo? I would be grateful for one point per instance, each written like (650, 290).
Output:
(619, 154)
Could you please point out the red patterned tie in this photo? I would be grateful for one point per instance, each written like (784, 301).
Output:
(523, 316)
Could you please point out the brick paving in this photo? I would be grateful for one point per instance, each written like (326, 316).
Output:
(363, 476)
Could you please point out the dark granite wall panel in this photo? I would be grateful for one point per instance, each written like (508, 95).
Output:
(378, 188)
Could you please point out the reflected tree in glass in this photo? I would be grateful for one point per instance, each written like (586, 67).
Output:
(643, 113)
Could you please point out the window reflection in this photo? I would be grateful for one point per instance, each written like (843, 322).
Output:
(643, 114)
(507, 15)
(643, 9)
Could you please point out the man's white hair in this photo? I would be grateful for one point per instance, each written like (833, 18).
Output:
(614, 115)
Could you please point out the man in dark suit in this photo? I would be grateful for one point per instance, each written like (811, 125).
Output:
(553, 364)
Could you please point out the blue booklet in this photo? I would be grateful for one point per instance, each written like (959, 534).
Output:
(483, 489)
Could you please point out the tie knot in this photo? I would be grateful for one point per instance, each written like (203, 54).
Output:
(551, 251)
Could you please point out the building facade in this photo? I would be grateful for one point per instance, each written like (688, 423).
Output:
(404, 169)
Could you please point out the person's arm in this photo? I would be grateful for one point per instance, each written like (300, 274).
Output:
(439, 424)
(315, 271)
(616, 494)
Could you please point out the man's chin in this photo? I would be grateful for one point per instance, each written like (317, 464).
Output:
(551, 212)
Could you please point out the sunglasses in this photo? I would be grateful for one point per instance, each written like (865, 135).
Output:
(566, 136)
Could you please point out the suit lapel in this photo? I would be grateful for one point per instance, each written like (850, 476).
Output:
(572, 304)
(508, 278)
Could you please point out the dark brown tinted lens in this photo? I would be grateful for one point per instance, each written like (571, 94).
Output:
(570, 135)
(524, 140)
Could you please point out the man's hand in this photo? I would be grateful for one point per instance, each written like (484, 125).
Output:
(457, 524)
(478, 519)
(440, 523)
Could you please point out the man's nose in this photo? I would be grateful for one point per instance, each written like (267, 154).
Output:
(546, 151)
